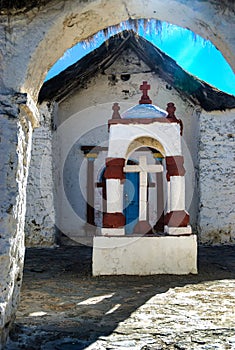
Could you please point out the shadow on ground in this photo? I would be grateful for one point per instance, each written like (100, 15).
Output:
(64, 307)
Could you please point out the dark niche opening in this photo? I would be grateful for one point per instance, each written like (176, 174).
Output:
(125, 77)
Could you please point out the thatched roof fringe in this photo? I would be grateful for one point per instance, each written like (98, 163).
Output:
(75, 76)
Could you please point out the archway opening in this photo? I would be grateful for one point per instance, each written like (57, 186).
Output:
(188, 49)
(145, 185)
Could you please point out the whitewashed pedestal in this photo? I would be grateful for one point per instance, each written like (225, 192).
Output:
(133, 255)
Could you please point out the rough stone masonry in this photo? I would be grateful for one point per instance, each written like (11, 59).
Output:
(15, 137)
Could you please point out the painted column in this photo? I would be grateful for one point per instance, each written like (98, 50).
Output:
(177, 219)
(177, 193)
(159, 226)
(143, 196)
(114, 190)
(114, 220)
(90, 188)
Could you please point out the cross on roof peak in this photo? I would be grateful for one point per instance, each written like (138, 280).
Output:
(145, 98)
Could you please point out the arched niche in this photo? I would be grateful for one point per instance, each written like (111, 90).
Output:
(145, 141)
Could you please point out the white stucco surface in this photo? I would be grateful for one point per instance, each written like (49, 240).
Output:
(177, 193)
(178, 231)
(144, 255)
(113, 231)
(216, 178)
(114, 196)
(168, 134)
(40, 227)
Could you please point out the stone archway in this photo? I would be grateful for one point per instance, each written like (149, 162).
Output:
(32, 42)
(53, 29)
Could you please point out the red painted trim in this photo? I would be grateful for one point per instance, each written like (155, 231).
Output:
(171, 116)
(90, 192)
(114, 220)
(174, 166)
(114, 168)
(138, 121)
(177, 218)
(142, 227)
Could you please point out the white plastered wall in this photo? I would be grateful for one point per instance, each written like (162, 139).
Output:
(40, 227)
(216, 177)
(82, 120)
(168, 134)
(145, 255)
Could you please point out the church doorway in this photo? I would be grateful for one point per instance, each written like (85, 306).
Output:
(131, 201)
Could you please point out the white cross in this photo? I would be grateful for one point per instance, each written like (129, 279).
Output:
(143, 168)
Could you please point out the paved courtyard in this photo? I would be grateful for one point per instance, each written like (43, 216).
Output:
(63, 307)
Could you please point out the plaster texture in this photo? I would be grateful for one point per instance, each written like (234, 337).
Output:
(178, 231)
(114, 196)
(112, 231)
(144, 255)
(122, 135)
(216, 182)
(177, 193)
(15, 136)
(40, 227)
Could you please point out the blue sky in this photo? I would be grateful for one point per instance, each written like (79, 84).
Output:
(194, 54)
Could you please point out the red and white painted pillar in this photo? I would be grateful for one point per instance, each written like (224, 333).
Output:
(176, 219)
(114, 219)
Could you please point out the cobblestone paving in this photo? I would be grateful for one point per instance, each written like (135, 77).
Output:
(63, 307)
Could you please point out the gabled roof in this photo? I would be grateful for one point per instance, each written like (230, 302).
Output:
(76, 76)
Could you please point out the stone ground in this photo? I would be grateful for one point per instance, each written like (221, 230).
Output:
(63, 307)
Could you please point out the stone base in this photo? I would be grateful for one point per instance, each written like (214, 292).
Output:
(178, 231)
(112, 231)
(132, 255)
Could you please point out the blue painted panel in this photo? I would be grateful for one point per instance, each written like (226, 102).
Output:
(131, 201)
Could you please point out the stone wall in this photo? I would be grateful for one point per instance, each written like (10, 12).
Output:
(15, 142)
(216, 177)
(40, 215)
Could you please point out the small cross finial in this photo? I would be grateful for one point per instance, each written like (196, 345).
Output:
(116, 108)
(171, 110)
(145, 98)
(171, 116)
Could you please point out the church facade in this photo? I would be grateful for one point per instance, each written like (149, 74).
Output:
(68, 198)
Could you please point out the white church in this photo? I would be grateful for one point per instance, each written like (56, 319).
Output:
(136, 158)
(123, 151)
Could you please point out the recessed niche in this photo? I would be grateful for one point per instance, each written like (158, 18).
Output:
(125, 77)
